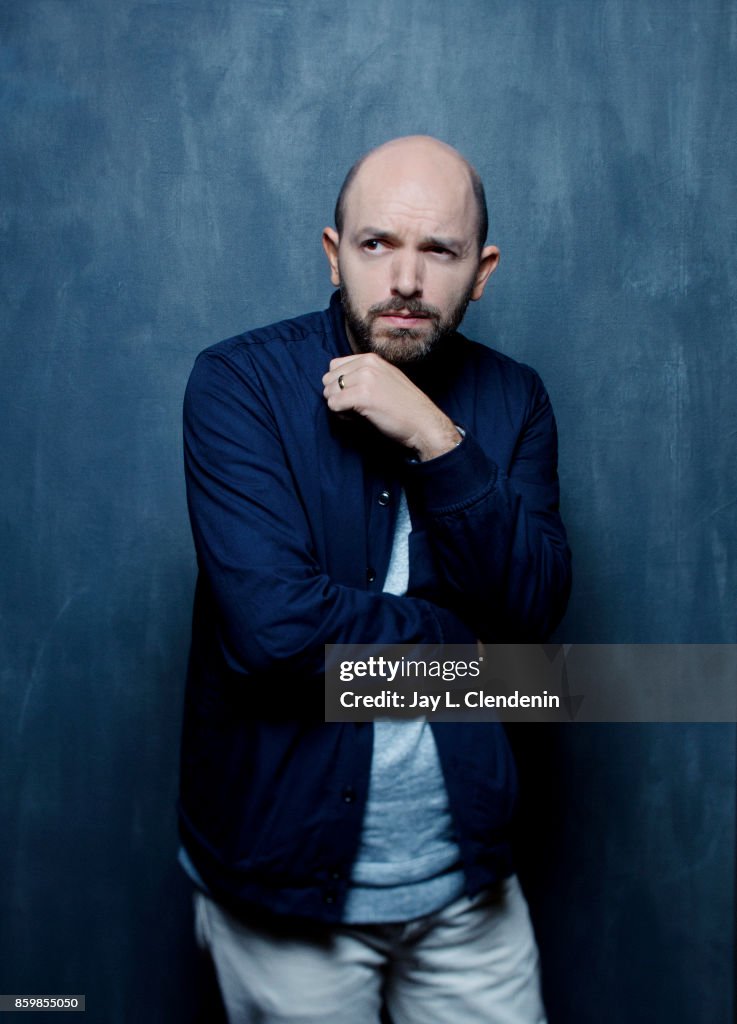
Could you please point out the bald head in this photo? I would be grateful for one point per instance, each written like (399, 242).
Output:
(418, 156)
(407, 250)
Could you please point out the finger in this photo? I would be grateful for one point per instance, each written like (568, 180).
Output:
(357, 357)
(335, 386)
(337, 398)
(335, 377)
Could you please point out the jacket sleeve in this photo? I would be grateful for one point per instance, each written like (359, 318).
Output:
(272, 603)
(498, 543)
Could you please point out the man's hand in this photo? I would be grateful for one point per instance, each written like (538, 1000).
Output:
(370, 386)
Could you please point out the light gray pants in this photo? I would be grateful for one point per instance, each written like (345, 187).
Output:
(474, 962)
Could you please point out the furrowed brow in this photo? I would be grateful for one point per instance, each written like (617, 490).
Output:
(434, 241)
(379, 233)
(429, 241)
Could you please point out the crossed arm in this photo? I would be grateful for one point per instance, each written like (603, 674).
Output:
(497, 545)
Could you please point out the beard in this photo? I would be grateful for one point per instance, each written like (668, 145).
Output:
(401, 344)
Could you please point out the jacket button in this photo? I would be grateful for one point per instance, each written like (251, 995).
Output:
(384, 498)
(349, 794)
(335, 875)
(329, 898)
(370, 573)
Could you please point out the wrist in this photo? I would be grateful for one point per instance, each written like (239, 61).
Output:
(431, 446)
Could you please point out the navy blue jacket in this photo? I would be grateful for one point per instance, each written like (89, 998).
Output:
(293, 532)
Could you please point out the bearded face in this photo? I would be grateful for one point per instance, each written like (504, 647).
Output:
(401, 330)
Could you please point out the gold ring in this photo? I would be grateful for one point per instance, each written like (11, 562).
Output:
(341, 382)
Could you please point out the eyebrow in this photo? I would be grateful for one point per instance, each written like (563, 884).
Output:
(428, 240)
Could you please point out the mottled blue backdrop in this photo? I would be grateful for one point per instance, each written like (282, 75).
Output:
(166, 171)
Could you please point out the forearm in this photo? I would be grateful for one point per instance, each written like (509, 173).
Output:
(282, 618)
(498, 545)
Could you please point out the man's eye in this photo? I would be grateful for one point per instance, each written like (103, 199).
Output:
(439, 250)
(372, 245)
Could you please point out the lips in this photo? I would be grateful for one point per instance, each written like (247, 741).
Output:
(403, 318)
(408, 318)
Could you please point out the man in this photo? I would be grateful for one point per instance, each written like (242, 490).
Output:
(368, 475)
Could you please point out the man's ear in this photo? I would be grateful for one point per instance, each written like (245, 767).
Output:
(487, 265)
(330, 242)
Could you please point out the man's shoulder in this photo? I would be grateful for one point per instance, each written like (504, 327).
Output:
(483, 360)
(282, 361)
(304, 329)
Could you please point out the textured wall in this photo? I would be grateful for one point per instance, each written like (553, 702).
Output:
(166, 170)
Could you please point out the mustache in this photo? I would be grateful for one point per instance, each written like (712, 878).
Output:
(413, 306)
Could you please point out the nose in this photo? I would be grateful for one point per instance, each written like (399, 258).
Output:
(406, 273)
